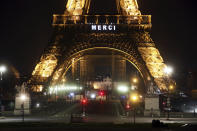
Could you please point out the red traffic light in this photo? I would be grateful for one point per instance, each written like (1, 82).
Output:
(84, 101)
(101, 93)
(128, 106)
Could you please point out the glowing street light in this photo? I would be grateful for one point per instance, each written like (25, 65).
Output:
(72, 94)
(23, 98)
(2, 70)
(38, 105)
(133, 87)
(171, 87)
(135, 80)
(93, 96)
(168, 70)
(134, 98)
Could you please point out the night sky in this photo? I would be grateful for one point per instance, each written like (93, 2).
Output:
(26, 29)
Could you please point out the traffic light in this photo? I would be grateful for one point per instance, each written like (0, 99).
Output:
(164, 103)
(101, 93)
(128, 106)
(84, 101)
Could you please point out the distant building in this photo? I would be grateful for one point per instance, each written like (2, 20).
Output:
(105, 84)
(192, 83)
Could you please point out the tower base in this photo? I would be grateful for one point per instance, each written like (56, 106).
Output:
(152, 106)
(21, 106)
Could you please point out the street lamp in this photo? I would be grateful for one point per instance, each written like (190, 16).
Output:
(23, 98)
(171, 87)
(168, 71)
(2, 70)
(168, 101)
(134, 99)
(135, 80)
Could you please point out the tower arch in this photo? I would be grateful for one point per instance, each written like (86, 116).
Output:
(63, 67)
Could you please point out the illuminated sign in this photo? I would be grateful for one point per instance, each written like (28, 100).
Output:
(103, 27)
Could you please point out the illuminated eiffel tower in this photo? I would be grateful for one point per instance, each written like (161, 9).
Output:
(76, 31)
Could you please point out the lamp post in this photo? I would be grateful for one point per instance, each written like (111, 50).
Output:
(194, 110)
(135, 80)
(170, 88)
(134, 99)
(168, 71)
(23, 98)
(2, 70)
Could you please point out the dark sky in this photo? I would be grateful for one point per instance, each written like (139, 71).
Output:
(26, 29)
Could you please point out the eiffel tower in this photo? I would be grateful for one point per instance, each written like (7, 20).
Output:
(76, 31)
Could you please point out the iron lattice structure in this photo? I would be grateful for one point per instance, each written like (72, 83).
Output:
(126, 33)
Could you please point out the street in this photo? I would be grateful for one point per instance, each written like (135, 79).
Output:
(99, 119)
